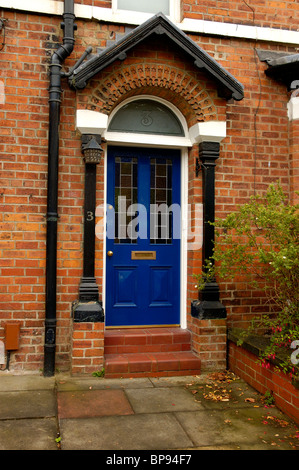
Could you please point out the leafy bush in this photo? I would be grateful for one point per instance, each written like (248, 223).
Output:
(260, 242)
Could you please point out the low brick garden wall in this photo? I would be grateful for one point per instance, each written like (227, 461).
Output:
(243, 361)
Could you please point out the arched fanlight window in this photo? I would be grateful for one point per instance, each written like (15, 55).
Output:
(146, 117)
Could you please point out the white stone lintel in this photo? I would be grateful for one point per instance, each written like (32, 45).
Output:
(293, 108)
(91, 122)
(210, 131)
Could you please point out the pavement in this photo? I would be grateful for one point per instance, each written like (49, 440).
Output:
(180, 415)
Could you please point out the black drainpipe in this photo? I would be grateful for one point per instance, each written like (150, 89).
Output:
(55, 91)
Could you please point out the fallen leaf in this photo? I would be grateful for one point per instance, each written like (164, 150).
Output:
(282, 423)
(250, 400)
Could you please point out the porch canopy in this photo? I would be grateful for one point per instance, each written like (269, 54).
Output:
(228, 87)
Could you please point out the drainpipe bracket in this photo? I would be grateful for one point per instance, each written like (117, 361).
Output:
(207, 309)
(89, 311)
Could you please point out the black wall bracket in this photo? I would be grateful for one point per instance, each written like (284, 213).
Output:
(89, 308)
(208, 304)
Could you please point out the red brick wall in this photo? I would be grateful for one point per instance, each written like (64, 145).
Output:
(246, 366)
(255, 152)
(209, 343)
(30, 41)
(274, 14)
(23, 179)
(87, 348)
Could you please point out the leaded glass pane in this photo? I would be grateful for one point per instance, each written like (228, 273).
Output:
(161, 201)
(125, 196)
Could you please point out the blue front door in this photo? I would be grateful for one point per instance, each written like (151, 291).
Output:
(143, 237)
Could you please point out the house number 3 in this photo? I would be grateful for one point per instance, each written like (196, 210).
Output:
(89, 216)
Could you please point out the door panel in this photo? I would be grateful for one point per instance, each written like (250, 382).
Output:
(143, 237)
(160, 286)
(125, 283)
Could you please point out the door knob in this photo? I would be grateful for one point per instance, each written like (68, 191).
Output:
(110, 253)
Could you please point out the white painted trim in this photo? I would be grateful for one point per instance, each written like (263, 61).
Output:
(104, 235)
(216, 28)
(2, 352)
(148, 140)
(257, 33)
(293, 108)
(48, 7)
(184, 238)
(212, 131)
(91, 122)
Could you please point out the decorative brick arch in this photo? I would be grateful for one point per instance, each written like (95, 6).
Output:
(183, 89)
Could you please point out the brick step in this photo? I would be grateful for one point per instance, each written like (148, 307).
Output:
(152, 352)
(151, 364)
(137, 340)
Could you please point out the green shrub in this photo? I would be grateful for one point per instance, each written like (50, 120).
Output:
(260, 243)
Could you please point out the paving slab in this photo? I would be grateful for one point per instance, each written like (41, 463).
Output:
(224, 395)
(27, 404)
(161, 400)
(91, 403)
(190, 380)
(28, 434)
(243, 429)
(67, 383)
(154, 431)
(10, 383)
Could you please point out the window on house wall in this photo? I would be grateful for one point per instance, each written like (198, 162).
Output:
(170, 8)
(145, 6)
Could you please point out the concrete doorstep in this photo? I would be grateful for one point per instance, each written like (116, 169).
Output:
(179, 414)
